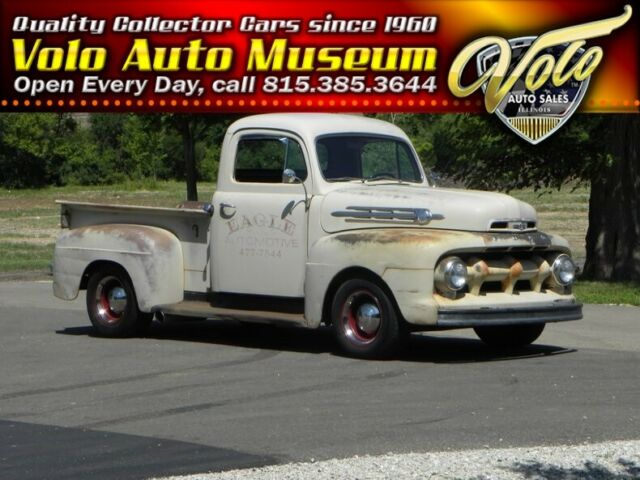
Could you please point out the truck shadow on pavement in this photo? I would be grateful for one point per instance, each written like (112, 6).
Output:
(419, 348)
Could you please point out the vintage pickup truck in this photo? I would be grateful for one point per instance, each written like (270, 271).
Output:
(321, 219)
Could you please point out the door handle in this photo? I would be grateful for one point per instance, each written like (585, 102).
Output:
(223, 210)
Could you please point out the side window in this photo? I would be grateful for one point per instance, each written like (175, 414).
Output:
(262, 159)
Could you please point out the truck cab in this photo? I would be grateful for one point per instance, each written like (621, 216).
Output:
(322, 219)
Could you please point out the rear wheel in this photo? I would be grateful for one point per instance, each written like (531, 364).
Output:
(364, 320)
(112, 304)
(510, 336)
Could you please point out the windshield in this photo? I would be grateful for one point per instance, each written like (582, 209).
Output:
(366, 157)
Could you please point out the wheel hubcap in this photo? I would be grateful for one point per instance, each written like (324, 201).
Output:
(368, 318)
(117, 298)
(111, 300)
(361, 317)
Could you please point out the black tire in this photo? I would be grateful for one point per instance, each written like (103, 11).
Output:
(357, 335)
(510, 336)
(112, 304)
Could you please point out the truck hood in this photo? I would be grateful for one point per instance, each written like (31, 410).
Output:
(357, 206)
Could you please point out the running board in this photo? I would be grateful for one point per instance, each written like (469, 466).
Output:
(200, 309)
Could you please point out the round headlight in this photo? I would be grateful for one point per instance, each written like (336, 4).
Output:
(451, 275)
(564, 270)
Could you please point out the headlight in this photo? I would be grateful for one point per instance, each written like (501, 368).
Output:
(451, 276)
(563, 270)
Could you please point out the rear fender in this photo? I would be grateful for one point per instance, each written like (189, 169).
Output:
(151, 256)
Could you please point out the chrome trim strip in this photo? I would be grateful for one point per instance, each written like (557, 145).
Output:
(421, 216)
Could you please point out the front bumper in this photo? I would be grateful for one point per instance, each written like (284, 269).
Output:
(475, 317)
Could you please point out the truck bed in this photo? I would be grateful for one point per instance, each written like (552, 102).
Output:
(189, 225)
(80, 214)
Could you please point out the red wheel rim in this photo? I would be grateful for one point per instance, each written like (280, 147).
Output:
(110, 300)
(361, 317)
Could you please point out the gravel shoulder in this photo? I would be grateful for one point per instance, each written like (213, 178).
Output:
(619, 460)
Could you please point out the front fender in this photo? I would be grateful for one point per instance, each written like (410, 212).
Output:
(404, 258)
(151, 256)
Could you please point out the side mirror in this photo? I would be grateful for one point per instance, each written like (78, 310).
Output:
(289, 176)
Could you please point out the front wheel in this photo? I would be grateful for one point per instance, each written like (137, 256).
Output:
(112, 304)
(364, 320)
(510, 336)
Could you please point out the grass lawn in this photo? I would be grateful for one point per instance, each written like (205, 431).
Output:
(564, 212)
(23, 256)
(619, 293)
(31, 216)
(30, 219)
(29, 223)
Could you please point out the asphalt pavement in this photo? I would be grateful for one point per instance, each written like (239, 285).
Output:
(212, 396)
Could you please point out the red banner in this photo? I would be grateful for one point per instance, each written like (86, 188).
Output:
(352, 55)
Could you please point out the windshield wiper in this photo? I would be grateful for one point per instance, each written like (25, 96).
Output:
(374, 178)
(343, 179)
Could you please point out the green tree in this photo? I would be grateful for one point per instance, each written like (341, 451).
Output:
(142, 147)
(613, 238)
(84, 163)
(32, 148)
(194, 130)
(45, 148)
(419, 128)
(602, 150)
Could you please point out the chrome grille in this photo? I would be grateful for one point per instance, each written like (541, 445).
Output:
(507, 274)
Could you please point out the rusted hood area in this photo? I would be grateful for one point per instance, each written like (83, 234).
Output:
(455, 240)
(421, 248)
(393, 204)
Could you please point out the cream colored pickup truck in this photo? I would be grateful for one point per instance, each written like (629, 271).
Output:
(321, 219)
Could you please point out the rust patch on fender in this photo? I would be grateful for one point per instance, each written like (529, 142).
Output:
(142, 237)
(396, 236)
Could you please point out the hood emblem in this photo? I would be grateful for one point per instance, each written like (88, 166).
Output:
(519, 225)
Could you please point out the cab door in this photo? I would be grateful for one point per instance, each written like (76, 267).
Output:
(259, 242)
